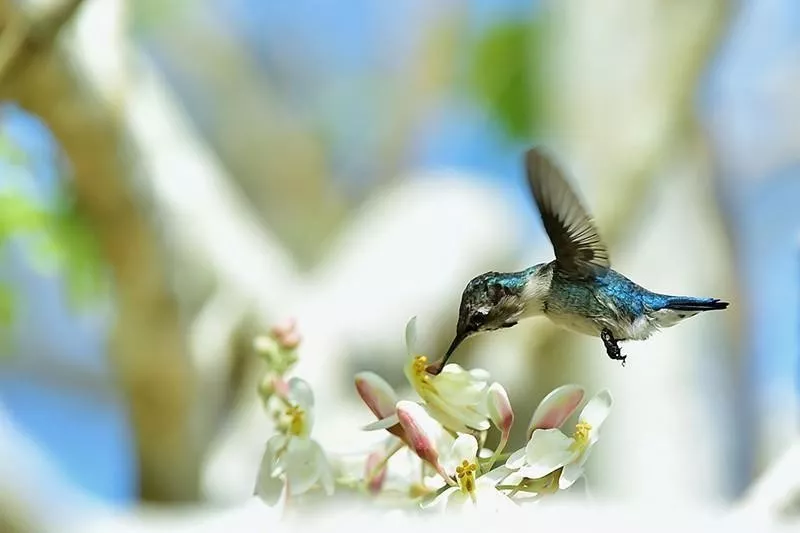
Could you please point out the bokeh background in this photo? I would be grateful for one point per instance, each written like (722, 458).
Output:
(179, 176)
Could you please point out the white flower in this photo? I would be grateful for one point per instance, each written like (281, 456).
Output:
(455, 397)
(556, 407)
(292, 457)
(472, 492)
(550, 449)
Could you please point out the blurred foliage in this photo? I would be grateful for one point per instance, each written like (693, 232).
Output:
(55, 239)
(67, 244)
(504, 75)
(149, 14)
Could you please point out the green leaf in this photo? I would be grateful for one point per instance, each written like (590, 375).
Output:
(504, 76)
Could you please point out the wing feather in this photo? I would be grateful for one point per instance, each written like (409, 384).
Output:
(572, 232)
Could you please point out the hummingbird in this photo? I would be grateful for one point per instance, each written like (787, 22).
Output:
(578, 290)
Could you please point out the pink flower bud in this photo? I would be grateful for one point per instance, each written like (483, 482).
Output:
(374, 474)
(556, 407)
(420, 430)
(278, 386)
(500, 408)
(381, 399)
(378, 395)
(286, 334)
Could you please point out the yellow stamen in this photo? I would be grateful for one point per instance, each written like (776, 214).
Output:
(581, 434)
(297, 418)
(421, 376)
(465, 472)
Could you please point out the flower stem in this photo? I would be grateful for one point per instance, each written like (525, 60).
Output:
(382, 463)
(500, 447)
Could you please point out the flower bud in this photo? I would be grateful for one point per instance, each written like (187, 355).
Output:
(556, 407)
(273, 383)
(499, 408)
(375, 472)
(266, 388)
(265, 346)
(421, 430)
(376, 393)
(286, 334)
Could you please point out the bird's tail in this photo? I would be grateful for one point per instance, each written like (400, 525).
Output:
(670, 310)
(694, 305)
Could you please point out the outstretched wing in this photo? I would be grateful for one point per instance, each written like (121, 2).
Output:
(576, 242)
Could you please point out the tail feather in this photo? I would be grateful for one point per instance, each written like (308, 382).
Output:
(689, 304)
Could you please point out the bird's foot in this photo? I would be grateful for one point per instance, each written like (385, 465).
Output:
(612, 346)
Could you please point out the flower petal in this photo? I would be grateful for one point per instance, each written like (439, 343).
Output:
(465, 448)
(459, 386)
(496, 475)
(446, 419)
(556, 407)
(457, 501)
(300, 393)
(489, 499)
(439, 503)
(574, 470)
(411, 336)
(516, 459)
(384, 423)
(596, 411)
(301, 461)
(466, 417)
(268, 483)
(571, 473)
(548, 450)
(376, 393)
(479, 374)
(325, 470)
(499, 407)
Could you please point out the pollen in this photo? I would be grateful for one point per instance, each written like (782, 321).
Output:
(421, 375)
(581, 434)
(465, 472)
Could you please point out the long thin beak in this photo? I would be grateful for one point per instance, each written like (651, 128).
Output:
(458, 340)
(435, 368)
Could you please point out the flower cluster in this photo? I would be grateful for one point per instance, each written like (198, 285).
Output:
(442, 431)
(449, 422)
(293, 463)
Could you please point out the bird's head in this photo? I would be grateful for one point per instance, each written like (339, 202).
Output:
(490, 301)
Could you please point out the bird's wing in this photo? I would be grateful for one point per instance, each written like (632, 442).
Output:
(578, 248)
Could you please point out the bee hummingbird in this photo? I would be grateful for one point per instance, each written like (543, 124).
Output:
(578, 290)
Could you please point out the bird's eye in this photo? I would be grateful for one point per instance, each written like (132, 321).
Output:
(478, 318)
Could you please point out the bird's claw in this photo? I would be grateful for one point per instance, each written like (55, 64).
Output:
(612, 347)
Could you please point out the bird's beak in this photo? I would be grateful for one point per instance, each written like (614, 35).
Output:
(460, 336)
(453, 345)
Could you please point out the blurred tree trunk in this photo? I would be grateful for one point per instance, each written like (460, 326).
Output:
(147, 347)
